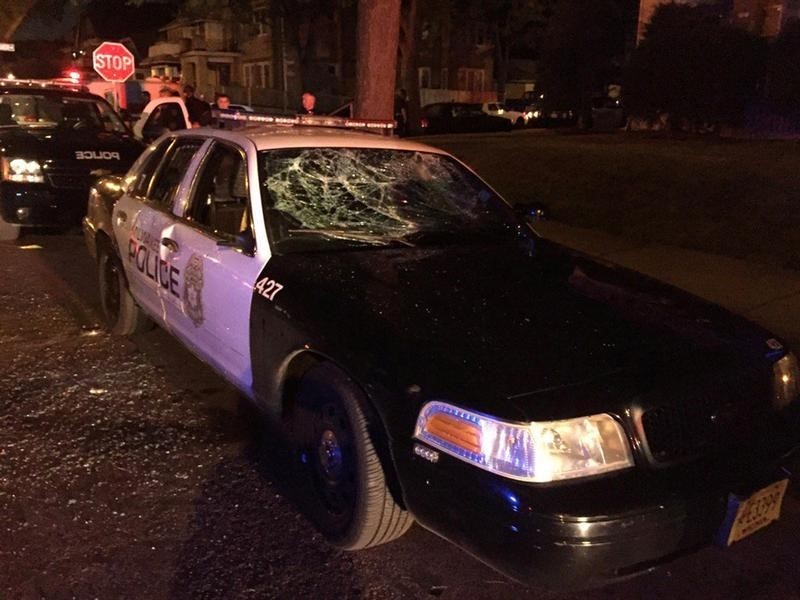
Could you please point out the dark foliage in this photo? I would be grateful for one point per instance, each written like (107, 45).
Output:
(783, 71)
(584, 42)
(695, 68)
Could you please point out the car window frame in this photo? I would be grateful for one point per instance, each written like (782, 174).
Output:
(202, 228)
(158, 112)
(151, 155)
(174, 141)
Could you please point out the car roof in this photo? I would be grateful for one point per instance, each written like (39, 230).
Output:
(271, 137)
(44, 90)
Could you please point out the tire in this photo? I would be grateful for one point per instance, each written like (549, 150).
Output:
(8, 231)
(122, 315)
(340, 476)
(519, 123)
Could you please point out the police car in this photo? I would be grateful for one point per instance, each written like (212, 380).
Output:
(54, 142)
(429, 358)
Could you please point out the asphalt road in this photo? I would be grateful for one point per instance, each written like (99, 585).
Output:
(129, 470)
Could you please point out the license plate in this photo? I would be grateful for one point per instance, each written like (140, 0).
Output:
(748, 514)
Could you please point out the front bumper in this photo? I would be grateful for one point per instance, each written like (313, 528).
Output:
(580, 535)
(40, 205)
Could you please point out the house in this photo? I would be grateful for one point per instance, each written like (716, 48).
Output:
(764, 18)
(266, 59)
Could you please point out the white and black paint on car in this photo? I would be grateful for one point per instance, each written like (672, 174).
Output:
(520, 329)
(143, 252)
(389, 281)
(54, 143)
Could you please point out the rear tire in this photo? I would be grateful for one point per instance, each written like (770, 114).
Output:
(340, 474)
(123, 316)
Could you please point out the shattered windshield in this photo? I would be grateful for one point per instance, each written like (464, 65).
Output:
(318, 197)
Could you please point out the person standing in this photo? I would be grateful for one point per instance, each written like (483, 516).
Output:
(401, 112)
(308, 106)
(199, 110)
(223, 102)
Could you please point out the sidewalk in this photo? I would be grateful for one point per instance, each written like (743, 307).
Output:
(762, 293)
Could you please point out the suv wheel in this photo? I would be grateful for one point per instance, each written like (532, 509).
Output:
(8, 231)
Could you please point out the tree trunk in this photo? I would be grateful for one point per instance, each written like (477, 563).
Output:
(408, 64)
(376, 66)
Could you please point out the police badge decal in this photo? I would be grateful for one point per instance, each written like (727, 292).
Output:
(193, 290)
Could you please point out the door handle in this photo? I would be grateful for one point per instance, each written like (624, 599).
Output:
(122, 216)
(170, 244)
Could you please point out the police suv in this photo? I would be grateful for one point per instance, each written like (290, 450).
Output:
(428, 357)
(54, 142)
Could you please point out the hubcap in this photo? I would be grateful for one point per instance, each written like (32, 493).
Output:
(112, 289)
(330, 455)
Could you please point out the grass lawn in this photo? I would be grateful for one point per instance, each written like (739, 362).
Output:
(735, 197)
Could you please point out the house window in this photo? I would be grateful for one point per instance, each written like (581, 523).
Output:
(258, 75)
(445, 79)
(223, 72)
(424, 77)
(261, 22)
(472, 80)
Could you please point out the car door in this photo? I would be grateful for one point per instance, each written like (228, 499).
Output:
(215, 254)
(161, 116)
(140, 215)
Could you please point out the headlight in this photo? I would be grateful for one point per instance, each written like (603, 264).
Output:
(539, 451)
(22, 170)
(787, 380)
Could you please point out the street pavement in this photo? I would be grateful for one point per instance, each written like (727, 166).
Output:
(129, 470)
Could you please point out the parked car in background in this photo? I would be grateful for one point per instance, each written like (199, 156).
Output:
(607, 113)
(518, 118)
(460, 117)
(540, 113)
(54, 143)
(160, 116)
(552, 115)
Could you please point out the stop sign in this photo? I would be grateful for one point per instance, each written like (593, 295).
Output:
(113, 61)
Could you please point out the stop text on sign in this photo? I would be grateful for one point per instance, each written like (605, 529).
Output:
(113, 61)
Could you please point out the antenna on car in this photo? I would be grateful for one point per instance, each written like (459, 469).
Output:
(254, 119)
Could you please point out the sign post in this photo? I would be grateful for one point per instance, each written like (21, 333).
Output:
(114, 63)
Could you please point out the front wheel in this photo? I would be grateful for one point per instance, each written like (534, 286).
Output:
(123, 316)
(341, 477)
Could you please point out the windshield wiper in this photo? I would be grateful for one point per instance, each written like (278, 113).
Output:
(355, 236)
(461, 234)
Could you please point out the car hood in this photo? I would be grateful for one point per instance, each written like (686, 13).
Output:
(489, 321)
(79, 148)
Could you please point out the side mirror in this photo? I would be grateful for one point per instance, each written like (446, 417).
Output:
(532, 211)
(243, 241)
(110, 186)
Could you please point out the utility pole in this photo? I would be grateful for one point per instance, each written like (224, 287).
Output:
(376, 67)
